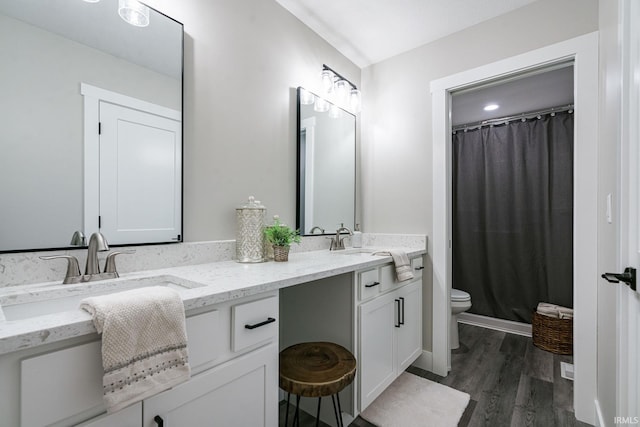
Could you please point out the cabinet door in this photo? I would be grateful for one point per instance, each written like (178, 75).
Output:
(377, 354)
(410, 331)
(242, 392)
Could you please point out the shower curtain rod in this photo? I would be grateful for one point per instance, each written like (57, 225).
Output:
(522, 116)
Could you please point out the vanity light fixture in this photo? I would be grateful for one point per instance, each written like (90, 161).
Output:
(133, 12)
(491, 107)
(344, 91)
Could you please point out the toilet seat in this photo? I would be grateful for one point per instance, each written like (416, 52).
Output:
(459, 296)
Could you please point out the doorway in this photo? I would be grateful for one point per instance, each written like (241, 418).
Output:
(512, 197)
(583, 51)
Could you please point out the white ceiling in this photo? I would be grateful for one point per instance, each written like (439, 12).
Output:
(369, 31)
(533, 92)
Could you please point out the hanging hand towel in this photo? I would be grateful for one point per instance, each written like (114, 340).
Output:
(402, 264)
(144, 343)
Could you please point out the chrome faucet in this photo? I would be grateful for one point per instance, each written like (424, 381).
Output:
(317, 228)
(337, 242)
(97, 243)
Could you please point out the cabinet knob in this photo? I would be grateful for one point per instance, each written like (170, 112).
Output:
(159, 421)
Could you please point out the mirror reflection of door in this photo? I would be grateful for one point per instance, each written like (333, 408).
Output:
(140, 165)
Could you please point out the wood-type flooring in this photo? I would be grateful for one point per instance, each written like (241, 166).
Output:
(511, 382)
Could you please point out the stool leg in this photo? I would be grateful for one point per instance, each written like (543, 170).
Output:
(318, 413)
(286, 416)
(339, 409)
(335, 410)
(296, 418)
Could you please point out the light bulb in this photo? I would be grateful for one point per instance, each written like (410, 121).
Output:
(327, 78)
(355, 101)
(306, 97)
(342, 90)
(321, 105)
(133, 12)
(334, 111)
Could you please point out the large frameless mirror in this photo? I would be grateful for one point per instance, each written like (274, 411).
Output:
(326, 166)
(91, 130)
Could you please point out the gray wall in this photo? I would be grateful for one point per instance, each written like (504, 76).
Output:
(396, 118)
(243, 61)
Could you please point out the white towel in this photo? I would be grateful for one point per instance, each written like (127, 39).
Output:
(553, 310)
(401, 262)
(144, 343)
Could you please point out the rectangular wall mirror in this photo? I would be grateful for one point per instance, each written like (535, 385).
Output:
(91, 132)
(326, 166)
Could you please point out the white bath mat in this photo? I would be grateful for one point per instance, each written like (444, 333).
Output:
(413, 401)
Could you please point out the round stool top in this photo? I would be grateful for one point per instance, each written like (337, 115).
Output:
(316, 369)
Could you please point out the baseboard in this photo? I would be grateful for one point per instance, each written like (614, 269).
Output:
(599, 417)
(424, 361)
(496, 324)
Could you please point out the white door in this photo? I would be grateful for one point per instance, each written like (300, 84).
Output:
(377, 347)
(140, 176)
(239, 393)
(628, 299)
(410, 331)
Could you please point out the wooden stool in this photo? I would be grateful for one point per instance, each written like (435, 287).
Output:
(316, 369)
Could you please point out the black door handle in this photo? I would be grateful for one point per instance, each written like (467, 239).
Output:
(398, 313)
(628, 277)
(159, 421)
(402, 316)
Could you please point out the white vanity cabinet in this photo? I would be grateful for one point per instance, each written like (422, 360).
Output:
(233, 354)
(390, 329)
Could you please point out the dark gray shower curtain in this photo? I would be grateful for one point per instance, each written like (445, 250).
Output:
(513, 216)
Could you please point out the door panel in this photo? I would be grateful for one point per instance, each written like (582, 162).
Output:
(140, 176)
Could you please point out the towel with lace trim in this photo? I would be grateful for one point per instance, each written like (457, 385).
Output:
(144, 343)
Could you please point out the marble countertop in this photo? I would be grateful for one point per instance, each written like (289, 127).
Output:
(217, 282)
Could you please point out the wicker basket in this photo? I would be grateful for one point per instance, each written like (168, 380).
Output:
(551, 334)
(280, 253)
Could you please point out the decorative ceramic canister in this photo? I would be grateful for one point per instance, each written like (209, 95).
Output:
(250, 237)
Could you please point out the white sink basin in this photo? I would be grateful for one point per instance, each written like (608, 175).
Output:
(58, 298)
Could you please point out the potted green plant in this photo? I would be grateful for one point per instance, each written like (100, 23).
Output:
(281, 237)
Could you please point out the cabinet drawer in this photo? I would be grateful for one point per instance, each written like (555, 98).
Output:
(253, 323)
(387, 277)
(417, 267)
(205, 339)
(368, 284)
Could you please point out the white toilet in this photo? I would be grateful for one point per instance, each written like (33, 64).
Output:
(460, 302)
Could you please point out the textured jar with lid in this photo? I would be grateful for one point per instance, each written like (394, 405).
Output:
(250, 237)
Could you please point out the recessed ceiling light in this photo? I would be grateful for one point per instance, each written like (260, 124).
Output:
(491, 107)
